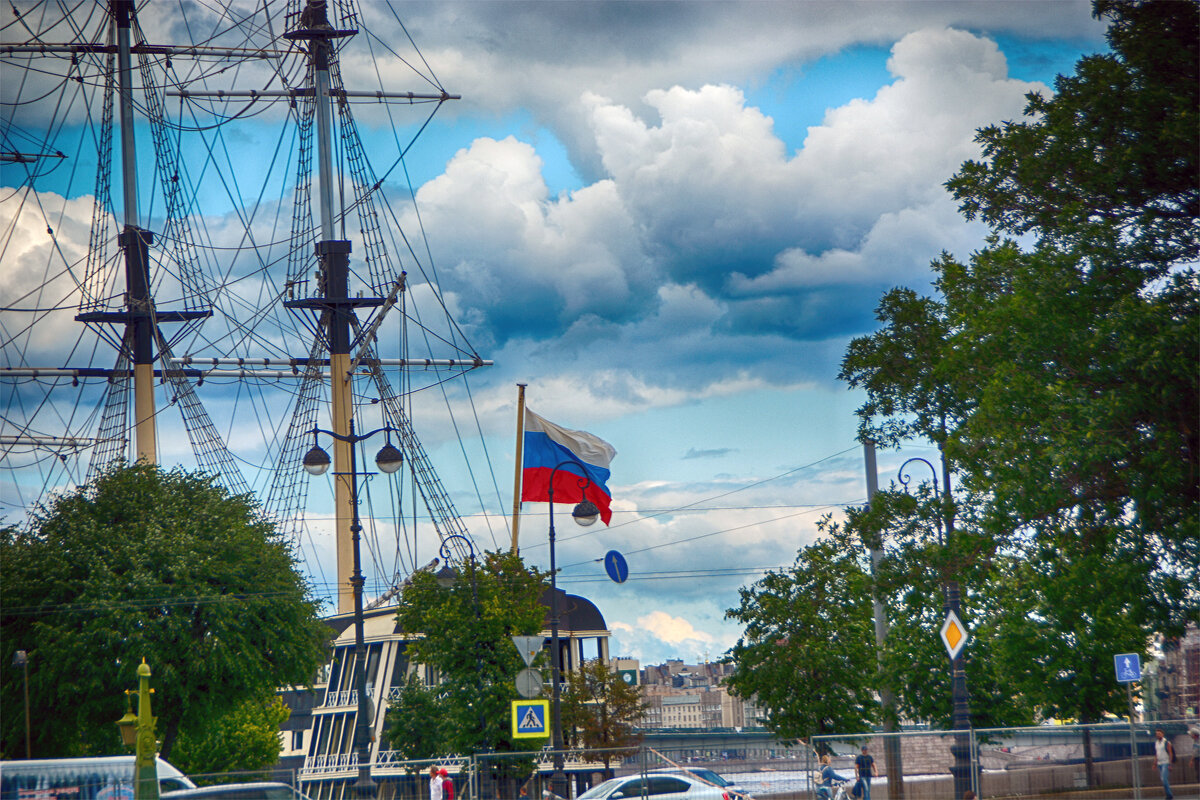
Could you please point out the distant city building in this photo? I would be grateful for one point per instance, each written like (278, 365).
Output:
(680, 695)
(1172, 683)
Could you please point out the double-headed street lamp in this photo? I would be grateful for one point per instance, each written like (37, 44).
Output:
(961, 719)
(316, 462)
(585, 513)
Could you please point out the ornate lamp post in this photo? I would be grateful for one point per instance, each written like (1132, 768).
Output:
(138, 732)
(585, 513)
(316, 462)
(446, 577)
(961, 719)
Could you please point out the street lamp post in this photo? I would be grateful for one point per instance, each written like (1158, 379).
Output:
(138, 732)
(447, 577)
(961, 713)
(316, 462)
(21, 659)
(585, 513)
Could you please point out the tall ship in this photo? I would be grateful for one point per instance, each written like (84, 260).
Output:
(213, 259)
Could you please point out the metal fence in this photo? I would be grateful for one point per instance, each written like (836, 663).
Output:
(1095, 762)
(1083, 762)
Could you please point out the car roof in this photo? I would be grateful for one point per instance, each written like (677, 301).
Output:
(255, 790)
(683, 776)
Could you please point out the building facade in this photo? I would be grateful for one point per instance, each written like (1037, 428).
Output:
(318, 739)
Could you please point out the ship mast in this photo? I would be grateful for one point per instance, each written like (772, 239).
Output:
(140, 318)
(136, 244)
(336, 306)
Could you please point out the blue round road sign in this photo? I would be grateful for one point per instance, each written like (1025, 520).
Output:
(615, 566)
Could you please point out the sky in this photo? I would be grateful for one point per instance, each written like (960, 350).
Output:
(667, 219)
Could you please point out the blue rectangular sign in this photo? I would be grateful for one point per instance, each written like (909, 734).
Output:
(1128, 666)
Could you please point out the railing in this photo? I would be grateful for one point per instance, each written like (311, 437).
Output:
(322, 765)
(348, 697)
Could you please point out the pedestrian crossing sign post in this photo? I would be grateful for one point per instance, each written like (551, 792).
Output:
(530, 719)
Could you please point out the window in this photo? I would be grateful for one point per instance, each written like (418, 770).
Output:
(665, 784)
(631, 788)
(297, 740)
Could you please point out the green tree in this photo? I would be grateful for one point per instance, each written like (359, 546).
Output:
(166, 566)
(912, 581)
(1059, 380)
(244, 740)
(408, 727)
(603, 709)
(1084, 349)
(1076, 595)
(1107, 168)
(807, 654)
(467, 630)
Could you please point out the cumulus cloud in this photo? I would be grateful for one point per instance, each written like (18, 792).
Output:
(700, 258)
(658, 636)
(704, 235)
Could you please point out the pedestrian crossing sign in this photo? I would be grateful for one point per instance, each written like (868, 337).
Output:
(530, 719)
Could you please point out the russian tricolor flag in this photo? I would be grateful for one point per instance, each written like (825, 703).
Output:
(576, 454)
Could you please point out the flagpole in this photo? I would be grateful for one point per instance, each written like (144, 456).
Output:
(519, 463)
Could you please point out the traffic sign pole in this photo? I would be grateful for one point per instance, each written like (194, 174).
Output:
(1133, 757)
(1128, 667)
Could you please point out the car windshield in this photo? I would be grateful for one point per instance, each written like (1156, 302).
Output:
(710, 776)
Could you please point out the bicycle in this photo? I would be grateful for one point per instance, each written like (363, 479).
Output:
(840, 791)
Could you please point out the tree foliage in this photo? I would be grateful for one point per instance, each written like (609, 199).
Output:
(922, 558)
(808, 650)
(1107, 168)
(409, 730)
(602, 708)
(244, 740)
(1055, 369)
(466, 639)
(1080, 354)
(166, 566)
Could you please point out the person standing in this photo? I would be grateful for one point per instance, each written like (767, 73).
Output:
(1164, 754)
(435, 784)
(864, 768)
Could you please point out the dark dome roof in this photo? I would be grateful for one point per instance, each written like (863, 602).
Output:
(575, 613)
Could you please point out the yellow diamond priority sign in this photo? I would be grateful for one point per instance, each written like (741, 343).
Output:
(954, 634)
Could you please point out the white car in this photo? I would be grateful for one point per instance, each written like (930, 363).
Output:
(238, 791)
(656, 785)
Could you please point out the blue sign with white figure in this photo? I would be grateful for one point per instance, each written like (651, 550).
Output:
(615, 566)
(1129, 667)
